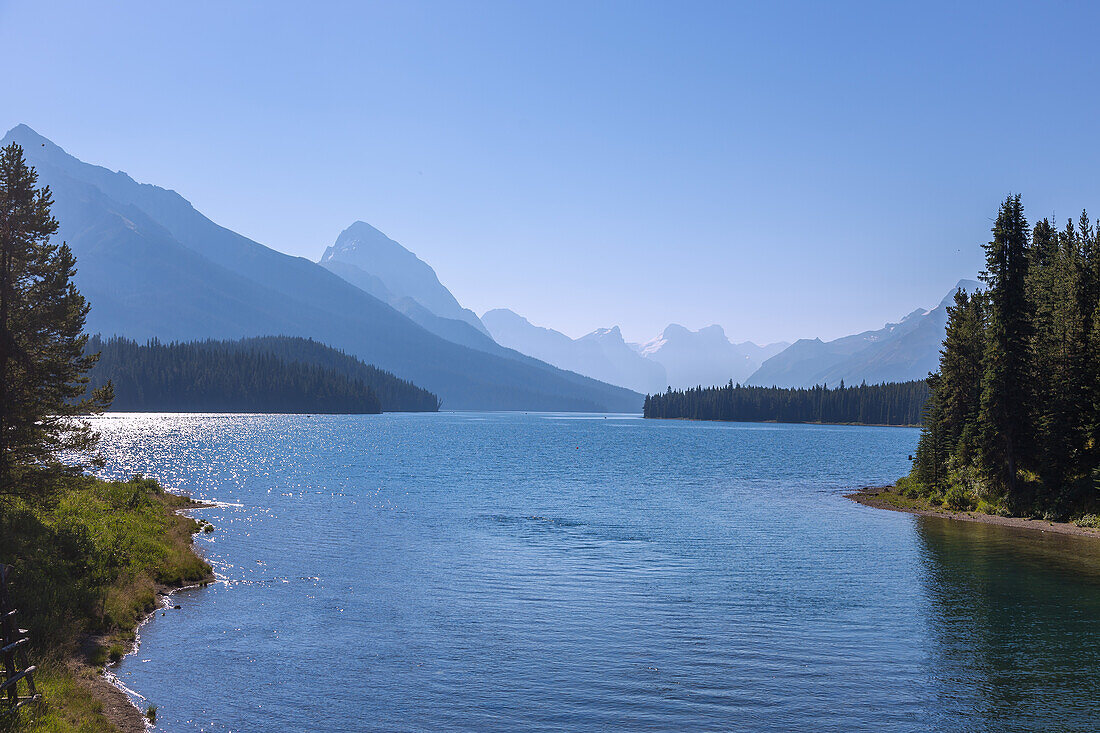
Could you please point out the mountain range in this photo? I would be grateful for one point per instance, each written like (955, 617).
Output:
(153, 266)
(705, 357)
(898, 352)
(374, 263)
(602, 354)
(679, 357)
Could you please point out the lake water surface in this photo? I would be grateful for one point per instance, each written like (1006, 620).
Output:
(501, 572)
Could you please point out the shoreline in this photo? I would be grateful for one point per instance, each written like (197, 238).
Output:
(122, 701)
(884, 497)
(120, 705)
(787, 422)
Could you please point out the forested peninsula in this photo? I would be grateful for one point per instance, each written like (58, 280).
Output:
(1012, 425)
(277, 374)
(899, 403)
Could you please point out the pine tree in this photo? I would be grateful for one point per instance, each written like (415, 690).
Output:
(930, 462)
(1060, 328)
(1005, 424)
(1089, 305)
(42, 359)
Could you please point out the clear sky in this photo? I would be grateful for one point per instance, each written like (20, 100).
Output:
(782, 169)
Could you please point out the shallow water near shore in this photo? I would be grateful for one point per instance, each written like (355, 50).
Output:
(470, 571)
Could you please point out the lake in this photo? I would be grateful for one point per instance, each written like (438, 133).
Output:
(501, 572)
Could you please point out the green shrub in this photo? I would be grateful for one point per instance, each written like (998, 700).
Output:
(910, 488)
(89, 562)
(996, 509)
(957, 498)
(116, 652)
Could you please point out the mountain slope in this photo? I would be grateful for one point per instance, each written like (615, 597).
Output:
(602, 354)
(451, 329)
(151, 265)
(401, 273)
(898, 352)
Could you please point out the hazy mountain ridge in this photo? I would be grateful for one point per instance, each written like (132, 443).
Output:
(153, 266)
(397, 274)
(898, 352)
(705, 357)
(451, 329)
(678, 357)
(602, 354)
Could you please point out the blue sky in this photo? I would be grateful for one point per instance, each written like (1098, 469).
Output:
(783, 169)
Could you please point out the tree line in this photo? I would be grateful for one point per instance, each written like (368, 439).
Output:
(896, 403)
(1013, 420)
(265, 374)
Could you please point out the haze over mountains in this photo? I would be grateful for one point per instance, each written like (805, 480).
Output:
(705, 357)
(153, 266)
(602, 352)
(898, 352)
(678, 357)
(682, 358)
(373, 262)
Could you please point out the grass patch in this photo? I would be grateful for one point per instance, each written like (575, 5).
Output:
(69, 707)
(903, 501)
(87, 568)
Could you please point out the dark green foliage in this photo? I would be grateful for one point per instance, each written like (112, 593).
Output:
(950, 434)
(1014, 414)
(879, 404)
(42, 356)
(935, 443)
(269, 374)
(91, 560)
(1006, 430)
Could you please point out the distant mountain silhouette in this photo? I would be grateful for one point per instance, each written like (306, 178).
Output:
(452, 329)
(705, 357)
(370, 260)
(153, 266)
(898, 352)
(602, 354)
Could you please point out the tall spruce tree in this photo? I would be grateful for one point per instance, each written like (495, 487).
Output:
(1058, 352)
(930, 462)
(1005, 365)
(1017, 396)
(959, 388)
(1089, 299)
(42, 360)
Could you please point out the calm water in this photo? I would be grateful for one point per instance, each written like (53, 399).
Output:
(550, 572)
